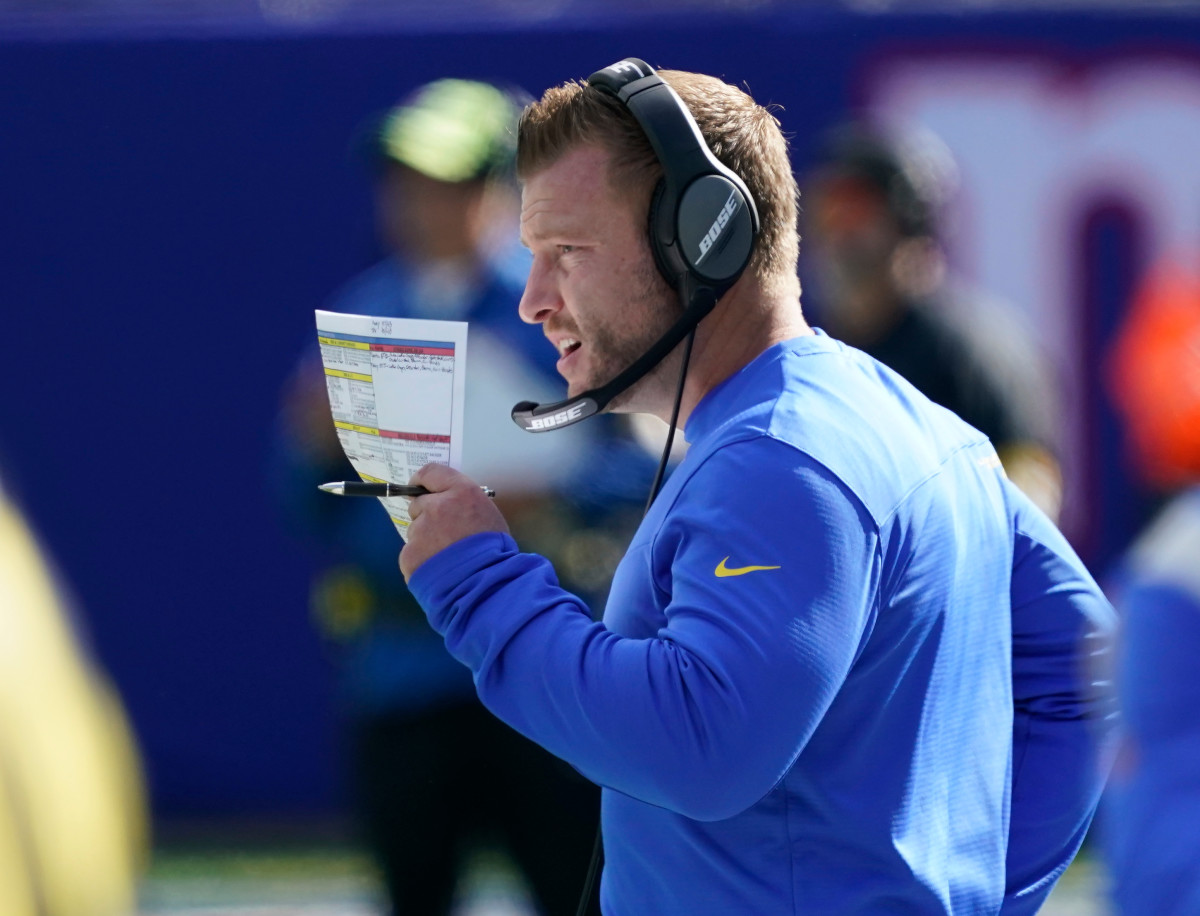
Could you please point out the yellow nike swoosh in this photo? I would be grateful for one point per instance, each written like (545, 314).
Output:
(722, 570)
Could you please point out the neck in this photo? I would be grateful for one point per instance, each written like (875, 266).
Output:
(745, 323)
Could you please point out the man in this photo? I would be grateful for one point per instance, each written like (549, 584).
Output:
(840, 649)
(1153, 800)
(872, 227)
(434, 776)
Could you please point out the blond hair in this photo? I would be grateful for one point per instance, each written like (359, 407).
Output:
(742, 134)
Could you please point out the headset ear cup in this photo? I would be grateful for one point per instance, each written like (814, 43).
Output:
(717, 228)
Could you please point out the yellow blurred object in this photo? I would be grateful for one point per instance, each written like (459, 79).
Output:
(342, 602)
(73, 829)
(1036, 473)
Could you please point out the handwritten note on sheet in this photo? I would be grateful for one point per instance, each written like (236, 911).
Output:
(396, 390)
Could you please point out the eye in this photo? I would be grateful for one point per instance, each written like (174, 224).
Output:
(566, 249)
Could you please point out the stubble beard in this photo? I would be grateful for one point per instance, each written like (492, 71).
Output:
(659, 307)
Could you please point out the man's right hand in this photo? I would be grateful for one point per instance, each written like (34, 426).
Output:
(455, 508)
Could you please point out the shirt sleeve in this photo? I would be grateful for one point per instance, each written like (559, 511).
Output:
(1064, 707)
(765, 592)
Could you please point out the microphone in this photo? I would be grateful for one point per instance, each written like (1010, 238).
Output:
(540, 418)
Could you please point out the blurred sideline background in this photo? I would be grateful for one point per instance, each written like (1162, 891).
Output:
(179, 196)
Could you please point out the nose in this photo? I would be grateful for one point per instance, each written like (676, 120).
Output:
(541, 298)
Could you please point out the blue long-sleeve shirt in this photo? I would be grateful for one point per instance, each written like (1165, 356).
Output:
(839, 653)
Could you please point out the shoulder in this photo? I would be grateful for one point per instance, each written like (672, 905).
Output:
(866, 424)
(758, 497)
(758, 467)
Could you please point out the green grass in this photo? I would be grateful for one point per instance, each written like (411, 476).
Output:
(195, 875)
(189, 876)
(328, 863)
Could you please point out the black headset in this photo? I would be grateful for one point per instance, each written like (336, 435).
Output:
(703, 224)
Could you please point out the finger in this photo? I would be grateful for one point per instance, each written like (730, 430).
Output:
(412, 552)
(436, 477)
(415, 506)
(405, 552)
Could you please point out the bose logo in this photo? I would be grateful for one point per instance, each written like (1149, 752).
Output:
(626, 67)
(718, 226)
(557, 419)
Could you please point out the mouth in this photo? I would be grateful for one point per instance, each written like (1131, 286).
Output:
(567, 347)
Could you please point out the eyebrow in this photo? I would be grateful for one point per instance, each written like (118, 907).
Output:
(556, 230)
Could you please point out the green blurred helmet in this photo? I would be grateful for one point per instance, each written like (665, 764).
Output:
(451, 130)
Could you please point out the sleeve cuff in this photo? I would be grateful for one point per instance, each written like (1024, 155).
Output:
(436, 581)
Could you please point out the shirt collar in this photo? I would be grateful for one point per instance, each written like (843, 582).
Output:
(712, 408)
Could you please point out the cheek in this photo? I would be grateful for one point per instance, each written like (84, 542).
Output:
(588, 289)
(660, 303)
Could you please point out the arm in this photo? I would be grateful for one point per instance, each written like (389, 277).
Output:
(704, 717)
(1062, 627)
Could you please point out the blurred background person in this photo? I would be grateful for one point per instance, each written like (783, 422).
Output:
(73, 828)
(871, 212)
(434, 775)
(1151, 817)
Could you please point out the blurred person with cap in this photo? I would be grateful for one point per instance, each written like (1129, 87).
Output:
(73, 828)
(1152, 807)
(434, 774)
(874, 202)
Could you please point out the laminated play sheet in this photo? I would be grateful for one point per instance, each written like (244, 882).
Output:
(396, 390)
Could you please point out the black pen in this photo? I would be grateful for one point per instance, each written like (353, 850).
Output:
(368, 488)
